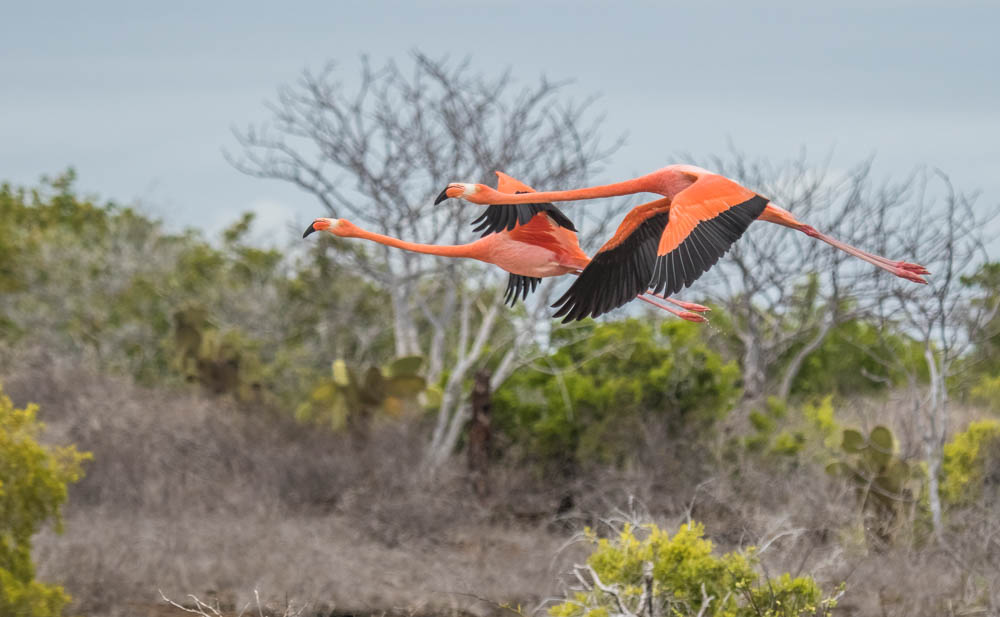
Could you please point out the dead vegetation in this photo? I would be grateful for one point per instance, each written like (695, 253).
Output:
(193, 495)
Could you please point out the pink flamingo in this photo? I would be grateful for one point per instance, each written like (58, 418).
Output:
(666, 244)
(539, 243)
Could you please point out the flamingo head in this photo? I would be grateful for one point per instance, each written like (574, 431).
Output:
(338, 227)
(464, 190)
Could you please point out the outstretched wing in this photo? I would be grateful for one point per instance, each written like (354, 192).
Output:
(519, 286)
(705, 220)
(499, 218)
(664, 246)
(621, 269)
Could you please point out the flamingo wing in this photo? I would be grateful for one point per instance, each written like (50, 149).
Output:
(499, 218)
(543, 230)
(519, 286)
(621, 269)
(705, 220)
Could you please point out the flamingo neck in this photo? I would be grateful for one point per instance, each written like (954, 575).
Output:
(668, 181)
(445, 250)
(649, 183)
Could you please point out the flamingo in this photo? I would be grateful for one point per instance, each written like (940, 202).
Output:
(539, 242)
(665, 244)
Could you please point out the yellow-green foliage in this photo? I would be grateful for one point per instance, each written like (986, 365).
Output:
(785, 433)
(33, 480)
(986, 391)
(684, 572)
(967, 458)
(596, 392)
(847, 360)
(81, 275)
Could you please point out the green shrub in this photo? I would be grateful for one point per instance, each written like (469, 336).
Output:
(98, 278)
(985, 358)
(588, 400)
(986, 391)
(786, 433)
(677, 576)
(33, 481)
(846, 363)
(972, 457)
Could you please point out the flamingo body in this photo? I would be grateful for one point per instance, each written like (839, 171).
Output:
(525, 258)
(668, 243)
(541, 246)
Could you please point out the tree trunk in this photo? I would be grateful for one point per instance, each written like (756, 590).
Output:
(480, 434)
(792, 370)
(936, 419)
(404, 332)
(754, 373)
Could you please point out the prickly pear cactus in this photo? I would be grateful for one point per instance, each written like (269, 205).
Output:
(352, 396)
(222, 363)
(881, 480)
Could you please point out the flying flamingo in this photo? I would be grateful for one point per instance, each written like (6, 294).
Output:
(665, 244)
(540, 242)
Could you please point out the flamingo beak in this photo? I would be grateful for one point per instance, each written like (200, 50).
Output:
(453, 190)
(317, 225)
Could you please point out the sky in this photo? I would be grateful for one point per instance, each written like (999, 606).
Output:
(141, 98)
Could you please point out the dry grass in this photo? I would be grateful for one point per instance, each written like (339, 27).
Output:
(189, 494)
(110, 559)
(192, 495)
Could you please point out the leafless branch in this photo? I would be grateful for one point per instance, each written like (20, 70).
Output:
(379, 150)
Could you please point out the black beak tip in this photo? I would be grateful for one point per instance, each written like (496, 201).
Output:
(309, 230)
(443, 196)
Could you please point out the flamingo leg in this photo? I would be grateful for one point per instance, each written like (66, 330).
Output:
(688, 315)
(902, 269)
(688, 306)
(690, 312)
(847, 248)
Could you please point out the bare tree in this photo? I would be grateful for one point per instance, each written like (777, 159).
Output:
(950, 235)
(782, 292)
(380, 151)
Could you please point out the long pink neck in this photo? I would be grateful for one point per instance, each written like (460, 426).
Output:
(635, 185)
(650, 183)
(460, 250)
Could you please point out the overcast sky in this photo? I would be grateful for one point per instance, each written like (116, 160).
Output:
(141, 98)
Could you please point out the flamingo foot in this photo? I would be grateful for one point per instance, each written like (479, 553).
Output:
(691, 306)
(688, 315)
(909, 275)
(914, 268)
(695, 317)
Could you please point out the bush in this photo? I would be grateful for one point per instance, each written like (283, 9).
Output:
(986, 391)
(594, 395)
(788, 435)
(79, 275)
(971, 461)
(846, 363)
(679, 576)
(33, 480)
